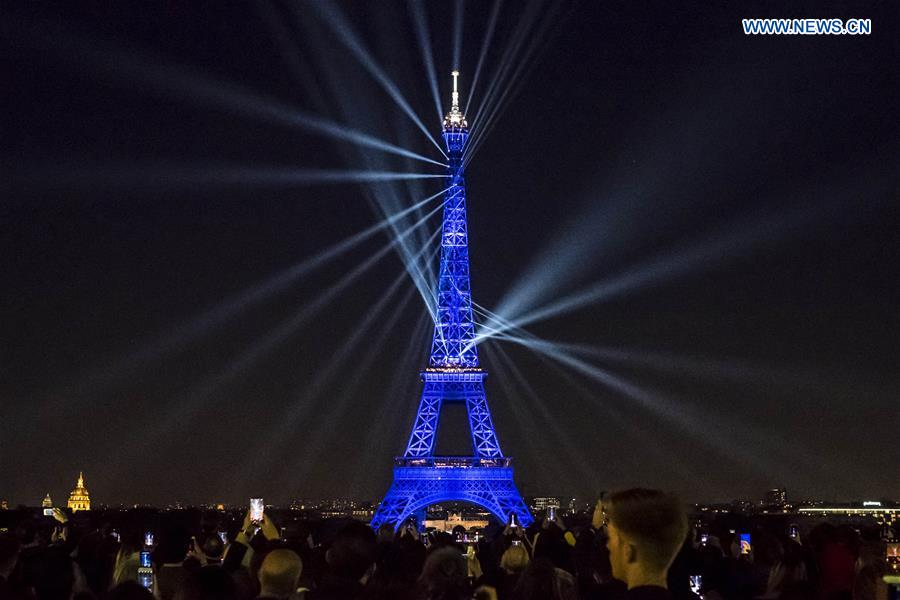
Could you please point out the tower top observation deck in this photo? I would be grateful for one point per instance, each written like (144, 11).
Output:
(455, 119)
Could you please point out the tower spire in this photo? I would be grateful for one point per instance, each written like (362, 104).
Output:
(455, 119)
(455, 96)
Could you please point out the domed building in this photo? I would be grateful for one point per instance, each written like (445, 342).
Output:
(78, 499)
(47, 502)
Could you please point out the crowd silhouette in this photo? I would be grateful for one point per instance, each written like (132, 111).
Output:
(637, 545)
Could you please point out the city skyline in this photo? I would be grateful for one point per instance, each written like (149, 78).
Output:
(760, 500)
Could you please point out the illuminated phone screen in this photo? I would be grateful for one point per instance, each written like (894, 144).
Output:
(745, 543)
(256, 509)
(892, 552)
(146, 580)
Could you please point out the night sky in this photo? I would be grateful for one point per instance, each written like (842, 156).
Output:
(739, 193)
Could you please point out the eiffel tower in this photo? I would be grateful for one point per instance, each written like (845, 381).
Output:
(453, 375)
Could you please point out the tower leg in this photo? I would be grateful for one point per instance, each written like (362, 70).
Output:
(484, 438)
(424, 433)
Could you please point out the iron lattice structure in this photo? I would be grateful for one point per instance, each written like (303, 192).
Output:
(453, 375)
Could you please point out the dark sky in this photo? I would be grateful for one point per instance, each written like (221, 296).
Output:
(746, 187)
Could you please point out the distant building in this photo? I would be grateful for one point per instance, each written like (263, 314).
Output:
(776, 497)
(363, 514)
(453, 519)
(333, 513)
(880, 512)
(79, 498)
(47, 502)
(542, 503)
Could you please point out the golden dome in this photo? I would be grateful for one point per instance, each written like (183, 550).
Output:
(79, 498)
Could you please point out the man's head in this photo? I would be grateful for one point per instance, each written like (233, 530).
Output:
(213, 548)
(515, 559)
(646, 528)
(54, 576)
(352, 552)
(385, 533)
(279, 573)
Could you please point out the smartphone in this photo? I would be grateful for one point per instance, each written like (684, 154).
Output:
(696, 582)
(48, 512)
(256, 510)
(145, 578)
(745, 543)
(145, 559)
(704, 537)
(224, 537)
(517, 542)
(551, 513)
(892, 551)
(148, 538)
(116, 535)
(793, 531)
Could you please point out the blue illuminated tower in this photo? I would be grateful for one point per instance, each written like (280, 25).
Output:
(484, 478)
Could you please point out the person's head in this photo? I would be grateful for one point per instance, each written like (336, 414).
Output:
(172, 547)
(867, 584)
(782, 576)
(445, 575)
(131, 533)
(26, 532)
(129, 590)
(515, 559)
(352, 552)
(208, 583)
(537, 582)
(279, 573)
(385, 533)
(551, 544)
(55, 576)
(9, 553)
(213, 548)
(646, 529)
